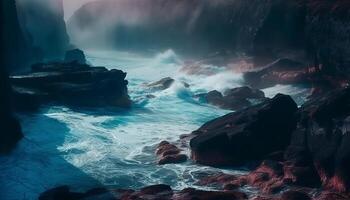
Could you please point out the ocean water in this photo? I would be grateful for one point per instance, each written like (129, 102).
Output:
(87, 148)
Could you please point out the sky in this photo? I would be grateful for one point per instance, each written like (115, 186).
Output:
(72, 5)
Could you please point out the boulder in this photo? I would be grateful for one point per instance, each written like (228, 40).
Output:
(246, 135)
(233, 99)
(162, 84)
(169, 153)
(75, 55)
(72, 84)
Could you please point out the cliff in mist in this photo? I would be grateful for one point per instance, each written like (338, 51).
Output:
(267, 29)
(16, 50)
(10, 46)
(44, 26)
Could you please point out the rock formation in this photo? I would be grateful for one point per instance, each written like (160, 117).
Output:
(70, 84)
(10, 130)
(233, 99)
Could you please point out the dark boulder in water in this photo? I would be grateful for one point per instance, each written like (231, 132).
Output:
(232, 99)
(162, 84)
(75, 55)
(72, 84)
(246, 135)
(169, 153)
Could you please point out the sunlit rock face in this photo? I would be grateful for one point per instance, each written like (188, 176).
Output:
(43, 23)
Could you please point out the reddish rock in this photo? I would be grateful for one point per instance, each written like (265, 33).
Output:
(168, 153)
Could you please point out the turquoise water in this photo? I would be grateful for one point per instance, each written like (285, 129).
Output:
(91, 148)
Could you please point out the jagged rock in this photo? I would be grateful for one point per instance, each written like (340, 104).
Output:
(72, 84)
(75, 55)
(246, 135)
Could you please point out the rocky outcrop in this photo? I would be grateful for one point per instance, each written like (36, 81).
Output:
(245, 135)
(233, 99)
(16, 50)
(75, 55)
(169, 153)
(44, 26)
(318, 154)
(10, 130)
(162, 84)
(321, 139)
(71, 84)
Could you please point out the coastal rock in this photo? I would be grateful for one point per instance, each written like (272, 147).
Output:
(245, 135)
(168, 153)
(321, 140)
(75, 55)
(162, 84)
(282, 71)
(73, 84)
(232, 99)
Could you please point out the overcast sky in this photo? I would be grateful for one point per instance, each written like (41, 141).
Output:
(72, 5)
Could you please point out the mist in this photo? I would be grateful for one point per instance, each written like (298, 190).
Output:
(153, 25)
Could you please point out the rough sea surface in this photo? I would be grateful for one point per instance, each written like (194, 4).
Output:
(87, 148)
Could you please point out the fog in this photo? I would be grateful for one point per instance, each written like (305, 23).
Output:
(184, 25)
(70, 6)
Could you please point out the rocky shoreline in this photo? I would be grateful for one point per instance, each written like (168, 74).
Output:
(71, 84)
(293, 153)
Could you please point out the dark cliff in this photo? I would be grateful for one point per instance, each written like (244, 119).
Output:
(43, 22)
(313, 31)
(12, 39)
(10, 130)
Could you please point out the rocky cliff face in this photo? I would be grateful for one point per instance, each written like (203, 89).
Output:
(312, 31)
(10, 131)
(44, 25)
(12, 39)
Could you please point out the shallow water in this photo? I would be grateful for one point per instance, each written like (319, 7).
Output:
(90, 148)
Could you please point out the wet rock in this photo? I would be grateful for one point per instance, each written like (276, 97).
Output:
(162, 84)
(72, 84)
(245, 92)
(75, 55)
(245, 135)
(321, 140)
(168, 153)
(282, 71)
(233, 99)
